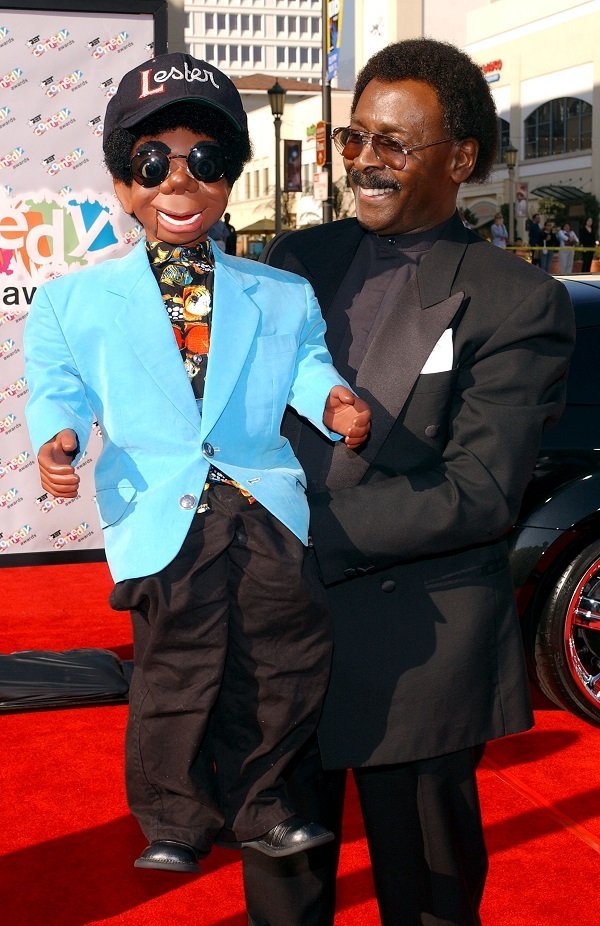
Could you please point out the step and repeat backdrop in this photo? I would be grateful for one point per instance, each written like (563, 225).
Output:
(58, 69)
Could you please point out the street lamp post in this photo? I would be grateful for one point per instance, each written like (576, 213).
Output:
(277, 101)
(510, 159)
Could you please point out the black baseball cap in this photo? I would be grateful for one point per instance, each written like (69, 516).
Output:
(173, 78)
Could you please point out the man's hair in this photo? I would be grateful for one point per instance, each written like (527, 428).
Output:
(205, 120)
(467, 104)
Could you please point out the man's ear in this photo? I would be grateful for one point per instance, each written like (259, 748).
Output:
(465, 158)
(123, 193)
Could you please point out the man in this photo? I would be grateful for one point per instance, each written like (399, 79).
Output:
(535, 237)
(461, 352)
(548, 240)
(219, 233)
(231, 239)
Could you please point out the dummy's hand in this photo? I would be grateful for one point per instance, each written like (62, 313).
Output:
(57, 474)
(348, 415)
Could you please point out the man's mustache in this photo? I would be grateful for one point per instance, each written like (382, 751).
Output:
(373, 181)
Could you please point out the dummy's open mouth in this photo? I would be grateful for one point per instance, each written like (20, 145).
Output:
(180, 221)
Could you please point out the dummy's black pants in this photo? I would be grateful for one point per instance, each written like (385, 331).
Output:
(232, 647)
(425, 837)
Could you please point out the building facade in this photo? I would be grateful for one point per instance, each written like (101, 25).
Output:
(543, 66)
(542, 63)
(244, 37)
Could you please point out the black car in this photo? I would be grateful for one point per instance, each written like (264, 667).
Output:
(555, 545)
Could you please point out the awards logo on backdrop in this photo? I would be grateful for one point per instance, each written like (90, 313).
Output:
(57, 213)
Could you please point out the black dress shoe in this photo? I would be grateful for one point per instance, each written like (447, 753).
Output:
(168, 855)
(293, 835)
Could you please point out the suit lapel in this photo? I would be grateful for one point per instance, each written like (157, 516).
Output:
(424, 310)
(322, 262)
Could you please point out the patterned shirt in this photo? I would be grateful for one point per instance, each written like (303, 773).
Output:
(185, 277)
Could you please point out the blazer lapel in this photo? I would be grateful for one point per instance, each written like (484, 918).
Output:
(146, 329)
(410, 332)
(234, 324)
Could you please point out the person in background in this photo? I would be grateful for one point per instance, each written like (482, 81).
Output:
(188, 362)
(219, 233)
(548, 240)
(498, 231)
(587, 239)
(567, 239)
(231, 239)
(535, 234)
(462, 352)
(521, 251)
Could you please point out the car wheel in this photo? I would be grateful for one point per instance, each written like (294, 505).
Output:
(567, 646)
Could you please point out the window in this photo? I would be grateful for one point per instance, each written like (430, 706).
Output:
(245, 22)
(245, 54)
(257, 54)
(221, 20)
(256, 183)
(558, 127)
(209, 21)
(280, 54)
(304, 55)
(247, 185)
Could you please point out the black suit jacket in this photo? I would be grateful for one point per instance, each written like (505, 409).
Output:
(409, 531)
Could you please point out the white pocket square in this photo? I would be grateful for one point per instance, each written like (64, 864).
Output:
(441, 357)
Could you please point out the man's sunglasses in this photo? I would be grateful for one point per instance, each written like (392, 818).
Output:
(350, 143)
(151, 164)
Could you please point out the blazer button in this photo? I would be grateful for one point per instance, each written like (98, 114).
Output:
(208, 449)
(188, 501)
(432, 430)
(388, 585)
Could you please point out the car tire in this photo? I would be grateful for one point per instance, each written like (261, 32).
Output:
(567, 640)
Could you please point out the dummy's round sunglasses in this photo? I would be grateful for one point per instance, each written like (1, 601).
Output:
(152, 163)
(350, 143)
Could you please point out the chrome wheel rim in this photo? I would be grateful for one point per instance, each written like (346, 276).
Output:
(582, 635)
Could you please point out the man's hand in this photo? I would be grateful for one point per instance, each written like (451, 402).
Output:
(348, 415)
(57, 474)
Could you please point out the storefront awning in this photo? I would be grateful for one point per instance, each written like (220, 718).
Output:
(562, 194)
(261, 227)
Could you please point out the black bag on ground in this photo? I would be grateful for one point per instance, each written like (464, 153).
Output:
(32, 680)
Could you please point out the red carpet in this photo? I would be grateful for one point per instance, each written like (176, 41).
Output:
(67, 841)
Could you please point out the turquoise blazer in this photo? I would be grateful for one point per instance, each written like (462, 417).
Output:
(99, 346)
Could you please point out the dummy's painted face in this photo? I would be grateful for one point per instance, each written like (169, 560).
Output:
(179, 208)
